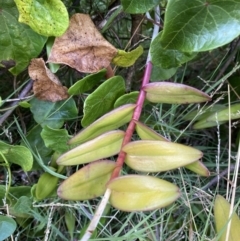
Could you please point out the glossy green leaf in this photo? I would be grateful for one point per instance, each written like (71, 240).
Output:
(19, 43)
(46, 186)
(174, 93)
(19, 155)
(158, 73)
(126, 59)
(55, 139)
(221, 216)
(87, 83)
(141, 193)
(167, 58)
(193, 26)
(53, 114)
(102, 99)
(87, 183)
(146, 133)
(105, 145)
(7, 227)
(219, 117)
(110, 121)
(136, 6)
(126, 99)
(48, 18)
(158, 156)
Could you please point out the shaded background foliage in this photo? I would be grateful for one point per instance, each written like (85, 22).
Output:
(202, 72)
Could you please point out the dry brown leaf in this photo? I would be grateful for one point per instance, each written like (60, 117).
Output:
(46, 85)
(82, 47)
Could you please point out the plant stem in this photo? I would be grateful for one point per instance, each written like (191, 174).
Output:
(132, 124)
(127, 138)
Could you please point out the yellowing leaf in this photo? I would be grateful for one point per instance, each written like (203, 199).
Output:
(157, 156)
(199, 168)
(126, 59)
(146, 133)
(48, 18)
(87, 183)
(105, 145)
(82, 47)
(174, 93)
(141, 193)
(221, 215)
(46, 85)
(110, 121)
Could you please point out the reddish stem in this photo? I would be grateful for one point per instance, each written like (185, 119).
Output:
(132, 124)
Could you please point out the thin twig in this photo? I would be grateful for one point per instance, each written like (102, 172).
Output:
(216, 179)
(14, 104)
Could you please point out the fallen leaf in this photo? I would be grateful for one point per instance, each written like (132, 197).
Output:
(82, 47)
(46, 85)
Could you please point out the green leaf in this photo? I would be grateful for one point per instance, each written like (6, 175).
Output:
(87, 183)
(219, 117)
(158, 156)
(19, 155)
(167, 58)
(110, 121)
(174, 93)
(55, 139)
(35, 142)
(126, 99)
(136, 6)
(105, 145)
(126, 59)
(102, 99)
(203, 113)
(158, 73)
(199, 25)
(221, 216)
(53, 114)
(53, 67)
(46, 186)
(141, 193)
(87, 83)
(22, 208)
(48, 18)
(19, 43)
(7, 227)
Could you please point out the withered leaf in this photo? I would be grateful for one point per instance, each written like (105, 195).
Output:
(82, 47)
(46, 85)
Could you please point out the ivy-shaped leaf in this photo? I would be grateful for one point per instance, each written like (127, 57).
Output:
(19, 43)
(48, 18)
(55, 139)
(7, 227)
(19, 155)
(87, 83)
(167, 58)
(53, 114)
(102, 99)
(126, 59)
(200, 25)
(136, 6)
